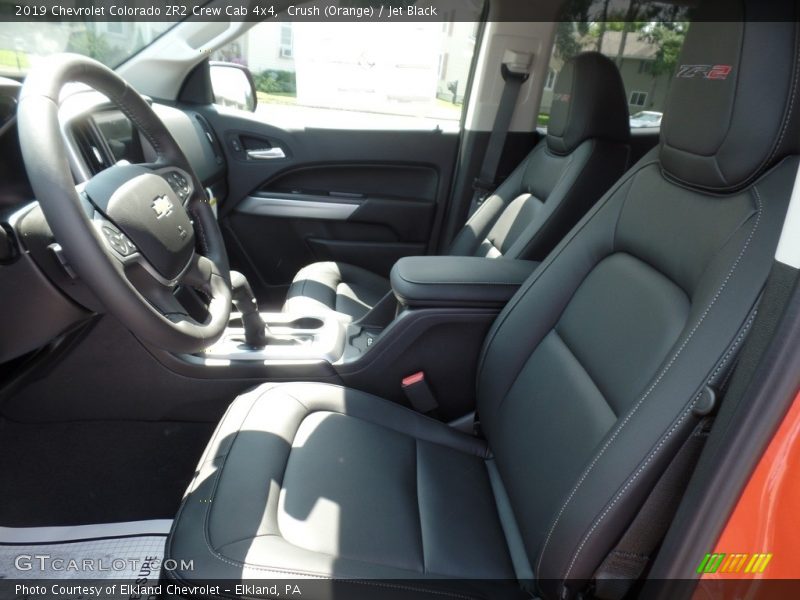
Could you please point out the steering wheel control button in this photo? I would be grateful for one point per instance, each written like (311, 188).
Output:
(149, 212)
(121, 244)
(179, 184)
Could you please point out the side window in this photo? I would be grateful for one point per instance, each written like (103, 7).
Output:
(551, 79)
(645, 48)
(359, 75)
(287, 41)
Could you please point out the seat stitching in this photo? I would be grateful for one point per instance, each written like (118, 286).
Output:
(585, 370)
(655, 384)
(557, 251)
(482, 452)
(250, 537)
(482, 455)
(536, 274)
(201, 230)
(663, 441)
(299, 572)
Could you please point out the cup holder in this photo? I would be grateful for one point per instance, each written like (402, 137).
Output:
(298, 324)
(305, 323)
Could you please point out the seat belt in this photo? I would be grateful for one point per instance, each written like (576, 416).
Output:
(514, 69)
(626, 563)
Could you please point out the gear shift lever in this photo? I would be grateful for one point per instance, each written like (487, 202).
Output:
(255, 329)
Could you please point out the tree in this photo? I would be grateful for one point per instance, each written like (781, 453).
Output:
(668, 38)
(568, 40)
(603, 25)
(94, 45)
(572, 27)
(275, 81)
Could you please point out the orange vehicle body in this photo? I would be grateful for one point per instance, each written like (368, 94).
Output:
(766, 518)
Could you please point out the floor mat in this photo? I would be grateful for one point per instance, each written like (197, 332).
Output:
(95, 472)
(130, 551)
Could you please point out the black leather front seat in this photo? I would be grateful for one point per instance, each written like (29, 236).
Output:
(585, 152)
(586, 384)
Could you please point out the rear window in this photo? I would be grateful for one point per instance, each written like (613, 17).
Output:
(643, 39)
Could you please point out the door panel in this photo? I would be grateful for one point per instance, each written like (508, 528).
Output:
(363, 197)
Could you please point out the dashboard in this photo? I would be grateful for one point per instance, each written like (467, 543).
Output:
(14, 185)
(98, 135)
(119, 135)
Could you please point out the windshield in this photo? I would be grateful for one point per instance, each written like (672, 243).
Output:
(22, 45)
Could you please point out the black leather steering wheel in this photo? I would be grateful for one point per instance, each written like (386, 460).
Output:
(133, 233)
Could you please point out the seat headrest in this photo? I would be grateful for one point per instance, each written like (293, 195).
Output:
(732, 108)
(588, 102)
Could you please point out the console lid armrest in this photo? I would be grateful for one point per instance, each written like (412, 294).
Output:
(458, 281)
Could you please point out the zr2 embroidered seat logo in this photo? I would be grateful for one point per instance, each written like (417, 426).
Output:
(718, 72)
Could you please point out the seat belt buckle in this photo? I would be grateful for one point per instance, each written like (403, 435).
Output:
(419, 393)
(481, 185)
(483, 189)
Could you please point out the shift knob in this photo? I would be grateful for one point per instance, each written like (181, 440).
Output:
(255, 330)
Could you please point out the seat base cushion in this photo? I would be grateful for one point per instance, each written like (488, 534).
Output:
(345, 288)
(319, 481)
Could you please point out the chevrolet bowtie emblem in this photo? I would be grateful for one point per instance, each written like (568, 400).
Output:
(162, 206)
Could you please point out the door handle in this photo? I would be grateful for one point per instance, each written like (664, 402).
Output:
(266, 153)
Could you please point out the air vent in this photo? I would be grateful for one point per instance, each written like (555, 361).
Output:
(90, 147)
(212, 139)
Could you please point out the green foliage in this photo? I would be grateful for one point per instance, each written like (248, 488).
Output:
(585, 22)
(568, 39)
(14, 59)
(276, 82)
(622, 25)
(95, 46)
(573, 25)
(668, 38)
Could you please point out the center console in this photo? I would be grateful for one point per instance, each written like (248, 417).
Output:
(291, 338)
(434, 321)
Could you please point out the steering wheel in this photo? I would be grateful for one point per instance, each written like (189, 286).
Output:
(133, 233)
